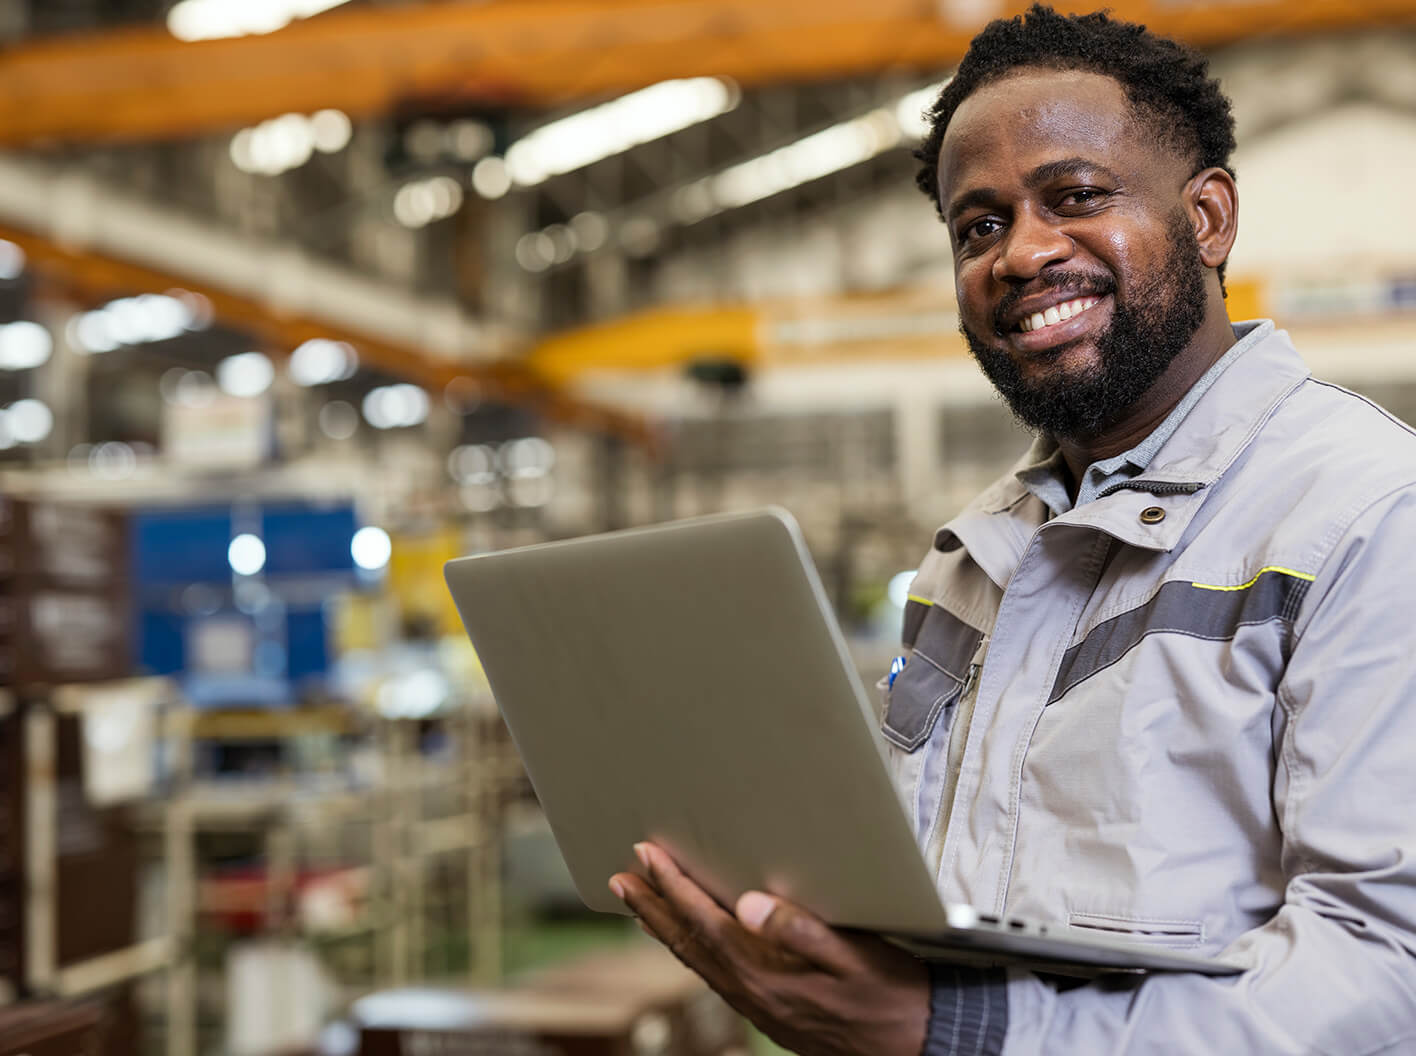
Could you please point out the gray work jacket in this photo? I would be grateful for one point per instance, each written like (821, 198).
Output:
(1191, 722)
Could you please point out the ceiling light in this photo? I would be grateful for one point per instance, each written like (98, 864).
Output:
(420, 203)
(29, 421)
(331, 130)
(245, 374)
(24, 345)
(396, 406)
(612, 128)
(320, 361)
(910, 110)
(591, 231)
(490, 178)
(820, 154)
(209, 19)
(12, 261)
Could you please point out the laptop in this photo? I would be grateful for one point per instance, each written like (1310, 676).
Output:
(687, 684)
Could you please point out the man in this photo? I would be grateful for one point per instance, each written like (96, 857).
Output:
(1158, 687)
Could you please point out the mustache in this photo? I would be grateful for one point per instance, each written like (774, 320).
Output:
(1080, 283)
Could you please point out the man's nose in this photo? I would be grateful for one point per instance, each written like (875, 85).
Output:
(1029, 245)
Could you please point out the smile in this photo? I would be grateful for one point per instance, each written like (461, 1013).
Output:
(1059, 313)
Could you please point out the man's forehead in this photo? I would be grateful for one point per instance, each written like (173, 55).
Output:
(1044, 114)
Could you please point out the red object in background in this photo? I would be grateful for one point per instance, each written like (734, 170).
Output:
(238, 899)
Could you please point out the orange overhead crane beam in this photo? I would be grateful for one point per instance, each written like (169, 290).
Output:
(90, 277)
(144, 84)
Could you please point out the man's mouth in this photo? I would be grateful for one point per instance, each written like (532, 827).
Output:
(1058, 313)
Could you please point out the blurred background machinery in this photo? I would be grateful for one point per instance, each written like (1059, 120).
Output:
(300, 298)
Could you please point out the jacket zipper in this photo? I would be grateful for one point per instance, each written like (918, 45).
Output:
(1155, 487)
(969, 680)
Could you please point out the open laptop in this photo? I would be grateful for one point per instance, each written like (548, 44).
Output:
(687, 684)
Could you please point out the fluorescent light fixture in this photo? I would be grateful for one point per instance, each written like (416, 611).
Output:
(817, 155)
(812, 157)
(823, 153)
(612, 128)
(210, 19)
(910, 109)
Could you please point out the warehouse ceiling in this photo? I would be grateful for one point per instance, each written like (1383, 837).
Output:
(444, 183)
(141, 81)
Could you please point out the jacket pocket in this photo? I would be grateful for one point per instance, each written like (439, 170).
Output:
(1176, 933)
(932, 679)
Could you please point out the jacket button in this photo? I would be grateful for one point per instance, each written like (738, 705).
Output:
(1152, 515)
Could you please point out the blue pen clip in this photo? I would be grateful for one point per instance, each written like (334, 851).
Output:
(896, 666)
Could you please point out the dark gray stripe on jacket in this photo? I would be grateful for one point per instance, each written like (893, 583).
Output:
(1181, 608)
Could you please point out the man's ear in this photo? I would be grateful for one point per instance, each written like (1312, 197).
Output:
(1212, 200)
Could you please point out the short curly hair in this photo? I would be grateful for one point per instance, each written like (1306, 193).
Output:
(1167, 83)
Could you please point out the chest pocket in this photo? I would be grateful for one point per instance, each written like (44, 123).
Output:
(932, 680)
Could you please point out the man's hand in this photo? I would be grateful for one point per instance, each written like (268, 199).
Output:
(808, 987)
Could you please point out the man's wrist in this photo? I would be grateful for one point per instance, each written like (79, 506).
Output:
(968, 1011)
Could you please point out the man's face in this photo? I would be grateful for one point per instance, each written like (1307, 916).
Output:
(1076, 266)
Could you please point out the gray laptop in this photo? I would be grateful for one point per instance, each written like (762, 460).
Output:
(687, 684)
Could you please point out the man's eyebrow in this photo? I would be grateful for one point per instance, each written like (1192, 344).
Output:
(1066, 167)
(980, 197)
(983, 197)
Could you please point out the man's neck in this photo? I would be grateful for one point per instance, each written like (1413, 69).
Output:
(1208, 345)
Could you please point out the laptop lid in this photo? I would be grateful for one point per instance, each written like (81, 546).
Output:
(686, 684)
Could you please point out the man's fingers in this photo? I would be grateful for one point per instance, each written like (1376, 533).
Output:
(686, 896)
(794, 929)
(686, 935)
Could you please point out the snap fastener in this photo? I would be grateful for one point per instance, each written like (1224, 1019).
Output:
(1152, 515)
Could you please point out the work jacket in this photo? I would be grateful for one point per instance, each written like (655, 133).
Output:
(1189, 720)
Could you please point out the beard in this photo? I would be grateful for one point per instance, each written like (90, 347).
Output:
(1145, 335)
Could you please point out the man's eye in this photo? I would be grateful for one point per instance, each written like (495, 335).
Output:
(1082, 196)
(980, 229)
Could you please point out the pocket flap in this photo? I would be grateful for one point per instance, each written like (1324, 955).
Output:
(944, 647)
(920, 693)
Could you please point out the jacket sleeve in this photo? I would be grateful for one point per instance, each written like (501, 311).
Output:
(1334, 971)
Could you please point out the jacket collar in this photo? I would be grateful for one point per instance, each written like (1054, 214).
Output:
(1217, 430)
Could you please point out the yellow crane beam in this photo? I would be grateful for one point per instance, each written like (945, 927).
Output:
(143, 84)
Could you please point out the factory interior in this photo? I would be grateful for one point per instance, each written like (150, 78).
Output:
(301, 299)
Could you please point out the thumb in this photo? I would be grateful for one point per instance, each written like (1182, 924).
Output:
(794, 930)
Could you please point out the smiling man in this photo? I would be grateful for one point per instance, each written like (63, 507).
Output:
(1156, 686)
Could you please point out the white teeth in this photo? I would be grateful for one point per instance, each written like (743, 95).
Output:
(1056, 314)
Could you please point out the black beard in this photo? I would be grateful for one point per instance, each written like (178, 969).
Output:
(1145, 335)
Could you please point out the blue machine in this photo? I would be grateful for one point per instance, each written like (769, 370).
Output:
(239, 639)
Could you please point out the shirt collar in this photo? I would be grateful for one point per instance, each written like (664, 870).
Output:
(1044, 472)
